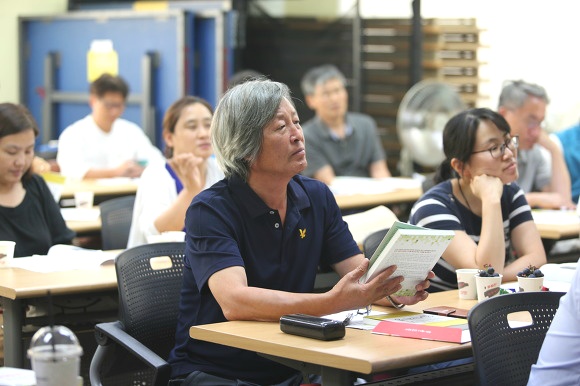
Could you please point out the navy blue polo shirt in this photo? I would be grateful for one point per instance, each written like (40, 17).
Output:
(229, 225)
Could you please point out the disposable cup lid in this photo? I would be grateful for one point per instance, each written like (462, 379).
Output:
(56, 339)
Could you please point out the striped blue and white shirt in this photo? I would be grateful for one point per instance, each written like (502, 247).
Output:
(439, 209)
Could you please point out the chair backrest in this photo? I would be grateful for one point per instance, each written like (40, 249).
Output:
(503, 355)
(372, 241)
(116, 216)
(149, 295)
(363, 224)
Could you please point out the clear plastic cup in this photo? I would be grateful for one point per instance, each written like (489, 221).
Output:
(55, 354)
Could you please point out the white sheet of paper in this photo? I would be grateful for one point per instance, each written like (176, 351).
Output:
(356, 320)
(11, 376)
(116, 181)
(360, 185)
(65, 258)
(549, 216)
(76, 214)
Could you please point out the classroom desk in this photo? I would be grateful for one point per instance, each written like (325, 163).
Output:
(365, 192)
(18, 286)
(556, 224)
(101, 187)
(367, 200)
(359, 352)
(82, 226)
(558, 231)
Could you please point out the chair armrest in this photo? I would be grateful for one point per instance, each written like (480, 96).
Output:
(113, 333)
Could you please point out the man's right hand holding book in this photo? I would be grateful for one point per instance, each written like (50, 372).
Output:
(355, 294)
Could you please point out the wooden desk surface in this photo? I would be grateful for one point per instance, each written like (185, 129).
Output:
(18, 285)
(84, 226)
(368, 200)
(110, 186)
(21, 283)
(558, 231)
(557, 224)
(360, 192)
(360, 351)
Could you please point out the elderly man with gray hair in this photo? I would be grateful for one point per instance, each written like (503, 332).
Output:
(523, 105)
(339, 143)
(255, 240)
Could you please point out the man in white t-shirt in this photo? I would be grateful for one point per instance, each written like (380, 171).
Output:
(103, 145)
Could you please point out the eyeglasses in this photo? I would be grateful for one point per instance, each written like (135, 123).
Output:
(112, 105)
(366, 311)
(498, 151)
(532, 123)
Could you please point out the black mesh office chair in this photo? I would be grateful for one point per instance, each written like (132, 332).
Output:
(372, 241)
(133, 350)
(504, 355)
(116, 216)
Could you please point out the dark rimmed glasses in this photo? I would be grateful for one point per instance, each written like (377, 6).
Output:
(498, 151)
(112, 105)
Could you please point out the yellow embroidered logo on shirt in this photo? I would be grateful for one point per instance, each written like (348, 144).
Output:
(302, 233)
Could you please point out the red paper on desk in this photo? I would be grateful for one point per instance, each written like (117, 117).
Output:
(454, 333)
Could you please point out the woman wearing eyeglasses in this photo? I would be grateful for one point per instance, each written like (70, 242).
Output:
(476, 197)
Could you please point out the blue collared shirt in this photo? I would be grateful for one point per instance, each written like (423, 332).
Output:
(229, 225)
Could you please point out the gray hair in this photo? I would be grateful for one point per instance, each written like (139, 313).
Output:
(237, 128)
(515, 93)
(320, 75)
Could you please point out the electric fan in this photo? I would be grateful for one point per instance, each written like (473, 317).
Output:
(422, 115)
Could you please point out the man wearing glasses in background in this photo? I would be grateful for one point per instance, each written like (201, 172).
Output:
(102, 144)
(523, 105)
(339, 143)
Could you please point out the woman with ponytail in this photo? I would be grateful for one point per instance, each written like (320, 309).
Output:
(476, 196)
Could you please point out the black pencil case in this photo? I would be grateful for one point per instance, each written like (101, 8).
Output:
(312, 326)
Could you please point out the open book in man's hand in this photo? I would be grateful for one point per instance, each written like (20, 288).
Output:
(413, 249)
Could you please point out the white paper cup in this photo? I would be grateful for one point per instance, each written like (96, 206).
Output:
(466, 283)
(6, 253)
(530, 284)
(84, 200)
(487, 287)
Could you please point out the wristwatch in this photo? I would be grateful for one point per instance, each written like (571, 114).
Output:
(396, 305)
